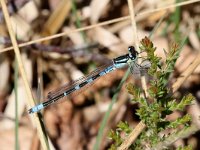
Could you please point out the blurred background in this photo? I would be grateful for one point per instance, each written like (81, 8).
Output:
(51, 63)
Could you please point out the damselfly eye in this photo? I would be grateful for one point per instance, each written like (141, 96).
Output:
(131, 49)
(132, 52)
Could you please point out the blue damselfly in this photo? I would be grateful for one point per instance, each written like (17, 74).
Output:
(78, 85)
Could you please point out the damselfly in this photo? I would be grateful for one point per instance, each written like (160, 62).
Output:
(78, 85)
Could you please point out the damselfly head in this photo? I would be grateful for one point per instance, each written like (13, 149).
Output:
(132, 52)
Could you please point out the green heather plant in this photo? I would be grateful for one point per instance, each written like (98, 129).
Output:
(160, 102)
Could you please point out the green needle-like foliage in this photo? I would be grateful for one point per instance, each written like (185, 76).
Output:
(160, 103)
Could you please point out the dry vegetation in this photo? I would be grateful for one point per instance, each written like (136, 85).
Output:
(62, 40)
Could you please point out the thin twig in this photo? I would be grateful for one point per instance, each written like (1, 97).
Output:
(100, 24)
(141, 126)
(133, 24)
(132, 136)
(67, 33)
(22, 71)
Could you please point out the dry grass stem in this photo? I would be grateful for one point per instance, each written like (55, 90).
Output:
(133, 23)
(132, 136)
(66, 33)
(22, 71)
(141, 126)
